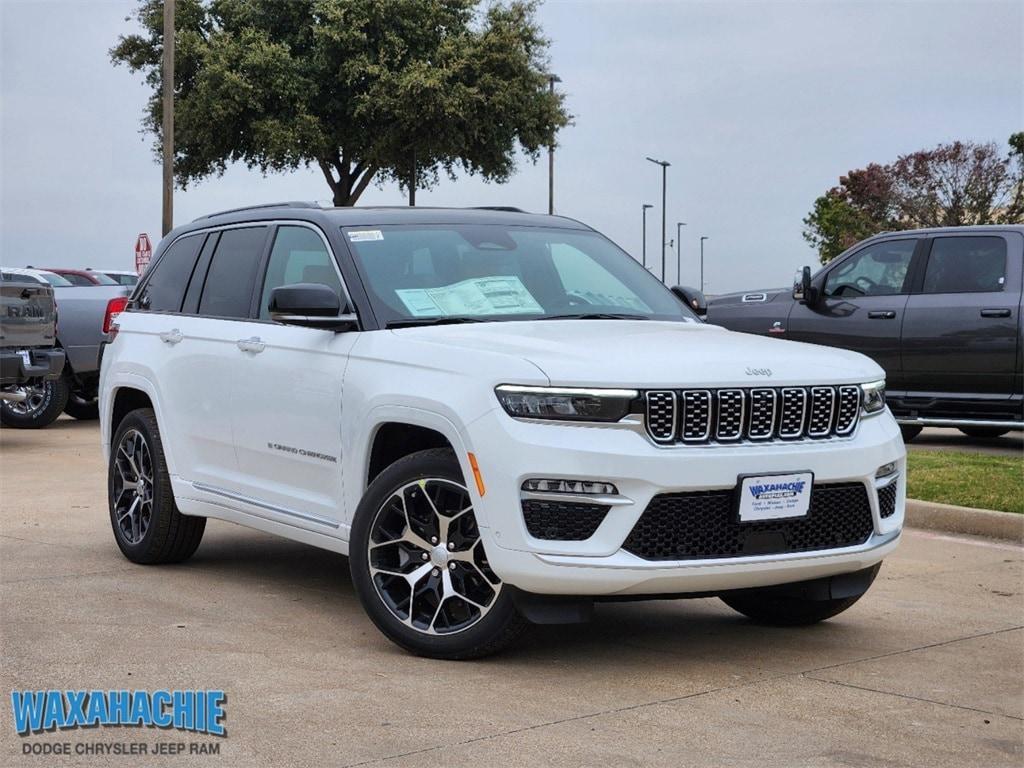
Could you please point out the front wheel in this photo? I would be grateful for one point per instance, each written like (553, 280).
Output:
(984, 431)
(419, 565)
(773, 606)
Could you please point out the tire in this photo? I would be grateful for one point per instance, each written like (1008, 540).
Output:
(46, 401)
(82, 408)
(983, 431)
(770, 606)
(412, 600)
(910, 431)
(153, 530)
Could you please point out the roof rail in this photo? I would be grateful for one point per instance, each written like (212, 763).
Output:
(506, 208)
(289, 204)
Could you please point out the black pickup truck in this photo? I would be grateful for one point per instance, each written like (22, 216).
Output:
(938, 309)
(28, 333)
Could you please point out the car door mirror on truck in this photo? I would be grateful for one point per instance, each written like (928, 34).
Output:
(310, 305)
(803, 291)
(692, 298)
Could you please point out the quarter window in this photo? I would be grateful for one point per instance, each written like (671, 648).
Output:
(165, 285)
(232, 274)
(966, 265)
(878, 270)
(299, 256)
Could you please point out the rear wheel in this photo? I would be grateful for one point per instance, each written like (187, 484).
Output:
(910, 431)
(984, 431)
(419, 566)
(82, 407)
(147, 525)
(40, 404)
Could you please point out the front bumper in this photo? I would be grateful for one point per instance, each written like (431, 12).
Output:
(22, 365)
(511, 451)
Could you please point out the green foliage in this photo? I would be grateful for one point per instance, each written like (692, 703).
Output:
(956, 184)
(362, 88)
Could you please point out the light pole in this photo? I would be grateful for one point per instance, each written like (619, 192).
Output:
(167, 129)
(679, 251)
(552, 79)
(702, 239)
(644, 207)
(664, 167)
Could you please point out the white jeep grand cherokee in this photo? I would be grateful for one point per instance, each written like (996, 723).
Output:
(500, 417)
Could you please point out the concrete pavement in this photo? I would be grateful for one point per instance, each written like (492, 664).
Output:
(927, 670)
(941, 439)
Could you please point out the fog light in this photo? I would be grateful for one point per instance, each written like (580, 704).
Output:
(886, 469)
(539, 485)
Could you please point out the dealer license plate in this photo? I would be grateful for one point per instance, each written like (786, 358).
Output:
(775, 497)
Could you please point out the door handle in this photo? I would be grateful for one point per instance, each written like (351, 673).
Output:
(171, 337)
(995, 313)
(253, 344)
(880, 314)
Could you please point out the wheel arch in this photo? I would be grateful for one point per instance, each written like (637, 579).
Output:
(393, 440)
(120, 397)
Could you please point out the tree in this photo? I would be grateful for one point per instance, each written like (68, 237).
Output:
(951, 185)
(366, 90)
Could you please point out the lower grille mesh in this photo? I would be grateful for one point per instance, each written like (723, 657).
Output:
(562, 520)
(887, 500)
(703, 524)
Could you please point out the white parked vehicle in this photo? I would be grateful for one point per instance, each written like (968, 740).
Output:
(500, 417)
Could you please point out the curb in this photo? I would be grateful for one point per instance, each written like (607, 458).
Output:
(934, 516)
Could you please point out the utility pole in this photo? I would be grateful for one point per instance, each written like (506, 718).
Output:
(644, 208)
(168, 118)
(552, 79)
(664, 167)
(679, 251)
(702, 239)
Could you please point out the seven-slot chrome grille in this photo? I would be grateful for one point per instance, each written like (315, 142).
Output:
(732, 415)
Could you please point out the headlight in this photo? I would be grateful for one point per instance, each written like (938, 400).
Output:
(874, 396)
(566, 404)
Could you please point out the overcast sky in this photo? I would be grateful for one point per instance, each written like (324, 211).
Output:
(759, 106)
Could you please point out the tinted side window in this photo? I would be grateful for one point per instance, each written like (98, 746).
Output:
(299, 256)
(232, 274)
(165, 285)
(878, 270)
(74, 279)
(966, 265)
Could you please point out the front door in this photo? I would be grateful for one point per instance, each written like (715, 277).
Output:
(287, 394)
(863, 298)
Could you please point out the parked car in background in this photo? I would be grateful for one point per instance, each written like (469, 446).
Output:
(28, 357)
(938, 309)
(81, 311)
(82, 276)
(129, 279)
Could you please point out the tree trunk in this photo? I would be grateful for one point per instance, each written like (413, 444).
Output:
(412, 181)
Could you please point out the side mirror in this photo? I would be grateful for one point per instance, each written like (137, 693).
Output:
(692, 298)
(310, 305)
(803, 291)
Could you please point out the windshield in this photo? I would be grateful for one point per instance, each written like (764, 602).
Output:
(420, 274)
(103, 279)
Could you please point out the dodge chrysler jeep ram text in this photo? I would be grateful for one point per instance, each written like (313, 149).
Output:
(499, 417)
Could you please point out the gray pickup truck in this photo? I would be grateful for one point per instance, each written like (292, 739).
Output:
(28, 334)
(938, 309)
(79, 337)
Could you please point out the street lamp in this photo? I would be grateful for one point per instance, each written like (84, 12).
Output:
(664, 167)
(645, 207)
(702, 239)
(679, 251)
(552, 79)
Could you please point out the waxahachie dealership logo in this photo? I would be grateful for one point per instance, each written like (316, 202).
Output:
(47, 712)
(765, 491)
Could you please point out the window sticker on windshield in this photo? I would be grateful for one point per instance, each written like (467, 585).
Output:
(365, 235)
(478, 296)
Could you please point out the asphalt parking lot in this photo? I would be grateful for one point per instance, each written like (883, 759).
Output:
(928, 669)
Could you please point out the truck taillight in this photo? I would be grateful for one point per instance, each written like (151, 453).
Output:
(114, 308)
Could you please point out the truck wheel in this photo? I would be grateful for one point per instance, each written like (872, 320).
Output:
(771, 606)
(147, 525)
(419, 566)
(984, 431)
(910, 431)
(43, 403)
(81, 407)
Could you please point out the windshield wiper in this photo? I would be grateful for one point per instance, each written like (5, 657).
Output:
(594, 316)
(411, 322)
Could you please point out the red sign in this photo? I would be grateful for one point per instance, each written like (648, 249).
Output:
(143, 253)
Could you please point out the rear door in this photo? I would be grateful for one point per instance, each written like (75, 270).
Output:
(862, 305)
(960, 333)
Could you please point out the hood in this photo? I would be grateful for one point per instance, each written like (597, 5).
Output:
(652, 354)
